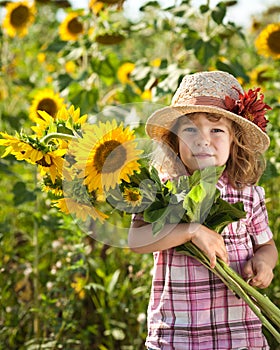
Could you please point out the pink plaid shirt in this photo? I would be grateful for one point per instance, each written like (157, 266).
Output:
(191, 308)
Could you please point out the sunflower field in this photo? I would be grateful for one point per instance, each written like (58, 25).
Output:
(68, 280)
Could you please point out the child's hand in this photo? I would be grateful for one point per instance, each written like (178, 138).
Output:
(211, 243)
(258, 272)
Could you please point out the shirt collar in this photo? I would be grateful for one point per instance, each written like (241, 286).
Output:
(223, 181)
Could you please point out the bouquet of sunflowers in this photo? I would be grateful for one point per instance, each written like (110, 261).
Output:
(93, 170)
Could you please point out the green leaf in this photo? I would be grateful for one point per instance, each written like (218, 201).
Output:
(159, 215)
(21, 194)
(219, 13)
(269, 173)
(176, 213)
(4, 168)
(171, 186)
(230, 3)
(192, 203)
(85, 99)
(211, 174)
(155, 211)
(204, 50)
(183, 183)
(157, 226)
(199, 200)
(192, 39)
(203, 8)
(154, 4)
(113, 281)
(177, 198)
(197, 193)
(223, 213)
(56, 45)
(64, 80)
(234, 68)
(106, 67)
(155, 177)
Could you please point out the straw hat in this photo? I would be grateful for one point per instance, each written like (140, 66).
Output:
(214, 92)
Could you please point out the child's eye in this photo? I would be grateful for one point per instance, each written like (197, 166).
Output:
(190, 129)
(216, 130)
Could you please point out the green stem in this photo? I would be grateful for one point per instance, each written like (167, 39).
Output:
(59, 334)
(57, 135)
(262, 301)
(242, 293)
(255, 300)
(208, 18)
(36, 326)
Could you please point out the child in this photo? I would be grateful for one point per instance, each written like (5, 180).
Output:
(190, 308)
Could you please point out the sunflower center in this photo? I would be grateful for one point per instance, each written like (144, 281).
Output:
(273, 41)
(133, 195)
(75, 27)
(109, 157)
(48, 105)
(43, 163)
(19, 16)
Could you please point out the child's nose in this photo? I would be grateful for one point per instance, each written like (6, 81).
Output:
(202, 140)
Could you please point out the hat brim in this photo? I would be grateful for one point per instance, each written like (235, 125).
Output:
(162, 120)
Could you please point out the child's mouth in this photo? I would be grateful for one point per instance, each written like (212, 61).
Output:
(203, 155)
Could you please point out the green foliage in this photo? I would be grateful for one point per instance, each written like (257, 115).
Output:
(193, 198)
(60, 288)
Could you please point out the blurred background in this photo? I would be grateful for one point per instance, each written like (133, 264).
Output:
(60, 288)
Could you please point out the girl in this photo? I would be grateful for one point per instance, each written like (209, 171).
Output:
(210, 122)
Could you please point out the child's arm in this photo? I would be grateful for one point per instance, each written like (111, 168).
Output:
(260, 267)
(141, 239)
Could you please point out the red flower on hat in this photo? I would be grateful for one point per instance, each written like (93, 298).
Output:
(250, 106)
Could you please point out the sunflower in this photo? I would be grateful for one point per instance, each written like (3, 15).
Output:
(260, 75)
(268, 41)
(30, 150)
(71, 116)
(147, 95)
(95, 6)
(18, 17)
(55, 188)
(44, 122)
(71, 28)
(78, 285)
(46, 100)
(80, 210)
(51, 163)
(41, 57)
(67, 121)
(3, 91)
(17, 147)
(124, 72)
(70, 67)
(156, 62)
(255, 26)
(105, 155)
(132, 196)
(109, 38)
(78, 200)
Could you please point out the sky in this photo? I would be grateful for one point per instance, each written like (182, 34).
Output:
(239, 14)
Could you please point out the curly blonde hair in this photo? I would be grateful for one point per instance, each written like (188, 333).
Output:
(244, 166)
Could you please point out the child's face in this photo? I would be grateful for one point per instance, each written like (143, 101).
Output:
(204, 141)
